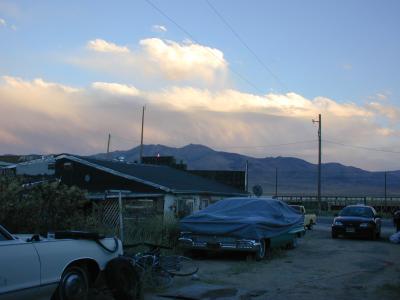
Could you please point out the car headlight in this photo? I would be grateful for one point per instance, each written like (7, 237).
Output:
(365, 225)
(338, 223)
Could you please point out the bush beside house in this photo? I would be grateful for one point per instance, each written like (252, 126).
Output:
(44, 207)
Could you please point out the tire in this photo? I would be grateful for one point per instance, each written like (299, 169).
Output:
(310, 226)
(177, 265)
(74, 284)
(372, 235)
(334, 235)
(378, 235)
(123, 279)
(260, 254)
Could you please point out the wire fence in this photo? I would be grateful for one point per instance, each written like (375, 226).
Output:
(135, 220)
(328, 203)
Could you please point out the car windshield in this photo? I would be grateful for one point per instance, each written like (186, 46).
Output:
(357, 211)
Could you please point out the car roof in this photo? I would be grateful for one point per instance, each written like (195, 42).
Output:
(362, 205)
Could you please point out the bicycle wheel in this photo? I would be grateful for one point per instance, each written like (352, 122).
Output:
(178, 265)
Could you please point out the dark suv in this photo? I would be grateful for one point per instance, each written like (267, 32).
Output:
(357, 220)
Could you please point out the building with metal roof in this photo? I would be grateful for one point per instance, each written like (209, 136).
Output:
(172, 190)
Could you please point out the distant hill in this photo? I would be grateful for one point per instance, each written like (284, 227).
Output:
(295, 176)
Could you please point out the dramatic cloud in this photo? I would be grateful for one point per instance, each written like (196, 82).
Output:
(159, 28)
(157, 58)
(116, 88)
(290, 104)
(47, 117)
(100, 45)
(180, 61)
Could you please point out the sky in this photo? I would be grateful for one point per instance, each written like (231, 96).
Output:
(237, 76)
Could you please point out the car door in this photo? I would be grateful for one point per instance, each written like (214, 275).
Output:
(19, 269)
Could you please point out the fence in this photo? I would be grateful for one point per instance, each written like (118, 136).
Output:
(133, 218)
(381, 204)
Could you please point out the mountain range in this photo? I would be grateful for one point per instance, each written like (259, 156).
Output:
(295, 176)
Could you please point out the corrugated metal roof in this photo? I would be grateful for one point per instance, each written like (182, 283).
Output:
(163, 177)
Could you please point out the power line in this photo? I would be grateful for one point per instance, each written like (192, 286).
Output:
(195, 40)
(361, 147)
(219, 15)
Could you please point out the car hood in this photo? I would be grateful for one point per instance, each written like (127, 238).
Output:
(23, 236)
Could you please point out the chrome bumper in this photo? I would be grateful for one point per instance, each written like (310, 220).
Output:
(238, 245)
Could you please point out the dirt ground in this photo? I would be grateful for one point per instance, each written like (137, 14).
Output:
(319, 268)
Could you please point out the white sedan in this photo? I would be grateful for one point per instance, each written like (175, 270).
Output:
(62, 267)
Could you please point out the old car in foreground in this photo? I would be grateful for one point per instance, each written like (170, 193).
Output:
(61, 266)
(242, 224)
(357, 220)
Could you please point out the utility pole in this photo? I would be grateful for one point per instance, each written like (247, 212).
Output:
(385, 190)
(108, 146)
(319, 160)
(246, 177)
(141, 137)
(276, 182)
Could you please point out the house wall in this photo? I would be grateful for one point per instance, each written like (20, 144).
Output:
(169, 205)
(180, 206)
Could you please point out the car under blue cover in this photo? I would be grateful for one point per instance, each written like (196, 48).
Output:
(247, 224)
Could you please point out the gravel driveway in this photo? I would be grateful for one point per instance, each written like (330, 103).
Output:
(319, 268)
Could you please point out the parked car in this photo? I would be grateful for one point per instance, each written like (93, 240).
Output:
(242, 224)
(62, 266)
(357, 220)
(309, 219)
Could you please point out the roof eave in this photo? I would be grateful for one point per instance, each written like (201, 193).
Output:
(208, 193)
(114, 172)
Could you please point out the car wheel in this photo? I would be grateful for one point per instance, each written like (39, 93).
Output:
(260, 254)
(310, 226)
(74, 284)
(334, 235)
(123, 279)
(378, 235)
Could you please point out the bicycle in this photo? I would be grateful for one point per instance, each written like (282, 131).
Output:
(156, 270)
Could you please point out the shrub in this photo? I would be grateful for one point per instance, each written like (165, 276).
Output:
(43, 207)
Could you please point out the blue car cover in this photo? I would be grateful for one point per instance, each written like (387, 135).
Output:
(247, 218)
